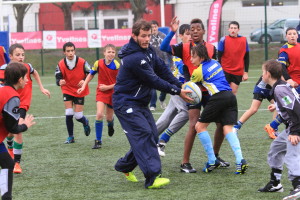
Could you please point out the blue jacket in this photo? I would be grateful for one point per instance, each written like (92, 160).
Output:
(141, 71)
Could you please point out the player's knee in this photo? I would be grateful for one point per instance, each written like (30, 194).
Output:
(253, 110)
(69, 111)
(78, 115)
(199, 128)
(99, 116)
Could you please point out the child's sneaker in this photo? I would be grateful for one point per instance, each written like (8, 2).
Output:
(17, 168)
(271, 187)
(223, 163)
(187, 168)
(87, 128)
(111, 131)
(131, 177)
(69, 140)
(294, 194)
(271, 132)
(210, 167)
(241, 167)
(97, 144)
(161, 149)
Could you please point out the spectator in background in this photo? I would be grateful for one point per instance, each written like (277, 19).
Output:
(156, 39)
(4, 59)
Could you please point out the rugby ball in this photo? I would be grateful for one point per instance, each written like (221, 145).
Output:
(196, 93)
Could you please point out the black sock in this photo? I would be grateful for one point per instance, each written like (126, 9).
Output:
(70, 124)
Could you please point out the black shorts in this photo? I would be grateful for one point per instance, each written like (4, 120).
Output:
(22, 112)
(231, 78)
(261, 97)
(221, 108)
(75, 100)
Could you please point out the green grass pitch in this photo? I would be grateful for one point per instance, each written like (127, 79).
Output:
(53, 170)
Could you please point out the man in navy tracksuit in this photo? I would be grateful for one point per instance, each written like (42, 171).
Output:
(140, 72)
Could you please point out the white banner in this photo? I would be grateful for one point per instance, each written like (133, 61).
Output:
(49, 40)
(94, 39)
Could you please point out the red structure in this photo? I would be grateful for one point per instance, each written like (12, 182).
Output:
(52, 18)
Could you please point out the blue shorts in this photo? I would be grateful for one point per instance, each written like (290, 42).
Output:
(2, 148)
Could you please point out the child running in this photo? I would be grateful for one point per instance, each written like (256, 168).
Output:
(107, 70)
(15, 142)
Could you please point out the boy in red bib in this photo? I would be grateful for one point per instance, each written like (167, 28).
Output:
(70, 74)
(107, 69)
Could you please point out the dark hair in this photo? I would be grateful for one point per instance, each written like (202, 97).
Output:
(140, 25)
(14, 47)
(235, 23)
(13, 72)
(154, 22)
(68, 44)
(197, 21)
(109, 46)
(201, 51)
(183, 28)
(290, 28)
(274, 67)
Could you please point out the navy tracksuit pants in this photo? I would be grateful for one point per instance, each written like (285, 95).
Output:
(139, 126)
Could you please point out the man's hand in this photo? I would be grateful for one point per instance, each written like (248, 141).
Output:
(174, 24)
(185, 97)
(294, 139)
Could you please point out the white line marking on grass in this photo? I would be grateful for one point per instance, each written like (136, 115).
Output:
(155, 113)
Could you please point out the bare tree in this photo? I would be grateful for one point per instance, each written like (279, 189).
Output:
(67, 10)
(20, 11)
(139, 7)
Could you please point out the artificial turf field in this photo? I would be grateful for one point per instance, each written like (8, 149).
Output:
(53, 170)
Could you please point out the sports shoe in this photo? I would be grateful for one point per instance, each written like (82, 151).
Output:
(152, 108)
(17, 168)
(223, 163)
(159, 182)
(294, 194)
(187, 168)
(87, 128)
(210, 167)
(161, 149)
(271, 187)
(163, 105)
(111, 131)
(69, 140)
(11, 153)
(97, 144)
(271, 132)
(131, 177)
(241, 167)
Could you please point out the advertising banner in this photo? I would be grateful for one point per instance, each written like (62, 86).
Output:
(214, 22)
(30, 40)
(49, 39)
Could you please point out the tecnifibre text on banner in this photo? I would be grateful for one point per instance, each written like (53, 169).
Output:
(214, 22)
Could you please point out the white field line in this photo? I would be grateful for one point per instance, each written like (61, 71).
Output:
(155, 113)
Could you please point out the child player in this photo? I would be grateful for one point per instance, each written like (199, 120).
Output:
(285, 148)
(220, 108)
(10, 121)
(107, 70)
(290, 61)
(15, 142)
(70, 74)
(233, 54)
(175, 115)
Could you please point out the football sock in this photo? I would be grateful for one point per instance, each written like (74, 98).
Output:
(166, 135)
(238, 125)
(6, 178)
(82, 120)
(18, 149)
(110, 123)
(276, 175)
(70, 125)
(9, 141)
(235, 146)
(207, 145)
(99, 129)
(276, 122)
